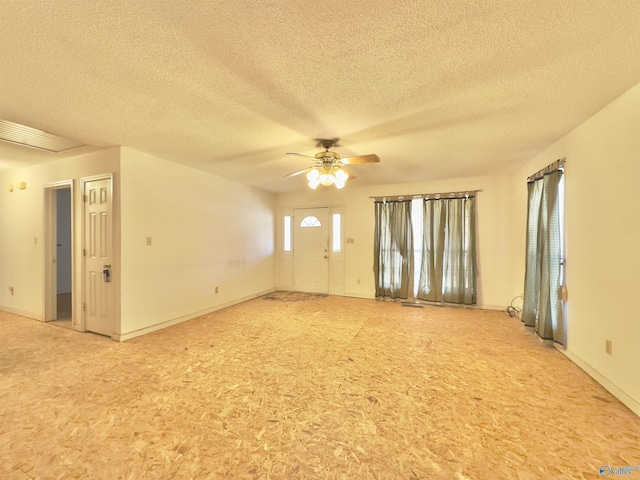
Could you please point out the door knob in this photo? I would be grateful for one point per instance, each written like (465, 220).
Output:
(106, 273)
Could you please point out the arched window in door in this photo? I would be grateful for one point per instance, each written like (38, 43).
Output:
(310, 222)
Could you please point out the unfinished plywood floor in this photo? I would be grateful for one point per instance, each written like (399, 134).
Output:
(306, 388)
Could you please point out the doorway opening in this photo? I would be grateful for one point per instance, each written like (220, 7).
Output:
(59, 289)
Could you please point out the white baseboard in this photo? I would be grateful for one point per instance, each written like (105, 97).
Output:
(617, 392)
(121, 337)
(499, 308)
(23, 313)
(359, 295)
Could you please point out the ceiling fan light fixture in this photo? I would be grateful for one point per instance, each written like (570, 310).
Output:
(341, 176)
(328, 170)
(327, 175)
(327, 179)
(313, 175)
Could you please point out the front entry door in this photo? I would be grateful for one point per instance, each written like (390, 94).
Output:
(98, 289)
(311, 250)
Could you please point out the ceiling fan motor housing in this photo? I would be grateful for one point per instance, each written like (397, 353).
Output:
(327, 156)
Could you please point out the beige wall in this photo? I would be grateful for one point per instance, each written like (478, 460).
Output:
(22, 247)
(602, 232)
(495, 289)
(210, 232)
(206, 232)
(602, 237)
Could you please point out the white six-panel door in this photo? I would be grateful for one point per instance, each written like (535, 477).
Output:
(98, 294)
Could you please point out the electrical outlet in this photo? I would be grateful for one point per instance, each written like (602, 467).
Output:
(216, 289)
(149, 241)
(11, 290)
(608, 347)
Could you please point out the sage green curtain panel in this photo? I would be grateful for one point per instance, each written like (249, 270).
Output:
(393, 249)
(448, 271)
(542, 305)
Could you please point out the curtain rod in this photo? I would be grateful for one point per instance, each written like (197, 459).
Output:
(442, 196)
(555, 166)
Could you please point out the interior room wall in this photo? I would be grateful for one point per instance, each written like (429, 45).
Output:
(206, 232)
(602, 230)
(495, 290)
(22, 225)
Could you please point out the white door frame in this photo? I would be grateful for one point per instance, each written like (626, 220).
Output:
(51, 247)
(284, 258)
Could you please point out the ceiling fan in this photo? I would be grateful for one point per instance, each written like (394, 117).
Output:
(328, 169)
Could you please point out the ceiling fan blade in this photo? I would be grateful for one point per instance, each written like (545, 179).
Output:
(300, 155)
(372, 158)
(299, 172)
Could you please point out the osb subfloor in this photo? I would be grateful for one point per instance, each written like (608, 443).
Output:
(306, 388)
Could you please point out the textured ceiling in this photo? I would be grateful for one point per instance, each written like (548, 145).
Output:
(438, 89)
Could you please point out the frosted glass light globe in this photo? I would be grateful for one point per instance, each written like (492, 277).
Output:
(327, 179)
(341, 176)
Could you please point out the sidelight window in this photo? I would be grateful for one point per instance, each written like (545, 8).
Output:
(337, 244)
(287, 233)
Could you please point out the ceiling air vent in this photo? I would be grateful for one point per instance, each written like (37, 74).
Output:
(31, 137)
